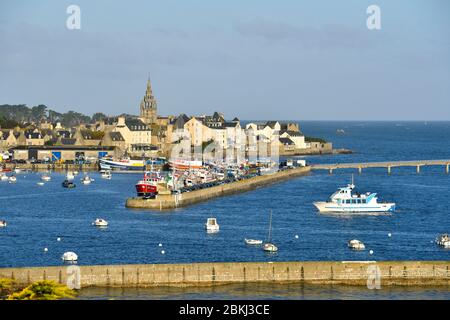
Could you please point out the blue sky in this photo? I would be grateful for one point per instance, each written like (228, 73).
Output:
(255, 59)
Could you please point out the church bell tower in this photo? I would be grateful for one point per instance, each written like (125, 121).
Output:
(149, 106)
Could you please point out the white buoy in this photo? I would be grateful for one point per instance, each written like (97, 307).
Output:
(163, 252)
(160, 245)
(371, 252)
(45, 249)
(58, 239)
(296, 236)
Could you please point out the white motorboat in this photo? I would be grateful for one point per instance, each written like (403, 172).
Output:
(69, 256)
(75, 173)
(17, 170)
(46, 177)
(99, 222)
(356, 245)
(106, 174)
(443, 240)
(2, 223)
(4, 177)
(40, 183)
(70, 175)
(211, 225)
(269, 246)
(253, 242)
(86, 180)
(12, 179)
(345, 201)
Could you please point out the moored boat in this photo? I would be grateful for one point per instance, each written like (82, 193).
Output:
(211, 225)
(12, 179)
(106, 174)
(148, 185)
(70, 175)
(69, 256)
(122, 164)
(86, 180)
(99, 222)
(2, 223)
(68, 184)
(443, 240)
(268, 245)
(180, 164)
(46, 177)
(356, 245)
(253, 242)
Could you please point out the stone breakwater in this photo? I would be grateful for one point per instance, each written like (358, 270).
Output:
(383, 273)
(172, 201)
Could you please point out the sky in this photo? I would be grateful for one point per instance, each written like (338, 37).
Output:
(254, 59)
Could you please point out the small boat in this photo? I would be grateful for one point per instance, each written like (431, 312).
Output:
(69, 256)
(46, 177)
(17, 170)
(356, 245)
(99, 222)
(211, 225)
(345, 200)
(269, 246)
(68, 184)
(4, 177)
(443, 240)
(106, 174)
(253, 242)
(86, 180)
(12, 179)
(70, 175)
(75, 173)
(40, 183)
(2, 223)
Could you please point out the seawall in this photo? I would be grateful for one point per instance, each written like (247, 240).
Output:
(426, 273)
(53, 166)
(169, 201)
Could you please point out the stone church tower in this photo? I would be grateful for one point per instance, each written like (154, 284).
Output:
(148, 106)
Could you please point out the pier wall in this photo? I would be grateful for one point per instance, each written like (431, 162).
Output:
(432, 273)
(164, 202)
(53, 167)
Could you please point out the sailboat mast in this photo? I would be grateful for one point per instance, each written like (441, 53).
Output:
(270, 225)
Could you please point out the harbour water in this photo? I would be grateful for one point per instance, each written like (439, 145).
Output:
(38, 215)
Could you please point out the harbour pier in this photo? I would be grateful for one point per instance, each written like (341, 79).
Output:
(173, 201)
(386, 164)
(365, 273)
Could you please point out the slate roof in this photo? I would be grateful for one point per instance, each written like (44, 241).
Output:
(286, 141)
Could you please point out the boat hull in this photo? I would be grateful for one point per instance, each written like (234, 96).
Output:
(144, 189)
(121, 165)
(338, 208)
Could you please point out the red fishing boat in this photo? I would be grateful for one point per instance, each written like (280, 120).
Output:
(148, 185)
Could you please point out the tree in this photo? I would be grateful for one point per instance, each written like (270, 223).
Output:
(38, 112)
(98, 116)
(7, 123)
